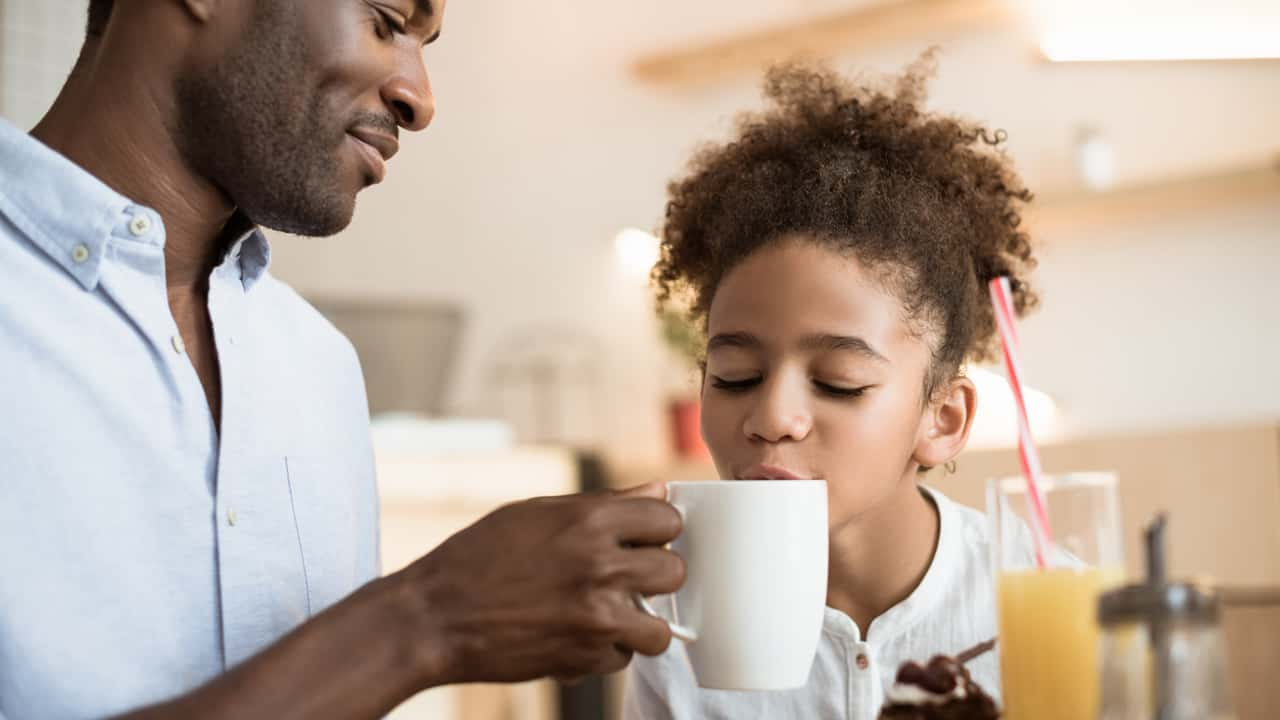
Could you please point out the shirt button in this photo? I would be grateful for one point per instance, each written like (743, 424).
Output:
(178, 346)
(140, 225)
(80, 253)
(231, 516)
(862, 661)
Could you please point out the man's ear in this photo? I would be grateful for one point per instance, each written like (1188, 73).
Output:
(945, 427)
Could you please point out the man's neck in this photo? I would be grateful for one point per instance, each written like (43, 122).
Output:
(879, 558)
(117, 131)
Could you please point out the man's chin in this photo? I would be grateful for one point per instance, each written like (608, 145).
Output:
(310, 218)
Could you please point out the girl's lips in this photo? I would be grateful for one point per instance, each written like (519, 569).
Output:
(769, 472)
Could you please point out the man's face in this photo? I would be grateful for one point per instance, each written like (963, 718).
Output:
(304, 103)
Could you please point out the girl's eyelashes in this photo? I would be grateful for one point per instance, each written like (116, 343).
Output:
(840, 392)
(828, 389)
(734, 385)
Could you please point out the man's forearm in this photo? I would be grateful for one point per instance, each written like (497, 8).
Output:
(358, 659)
(534, 589)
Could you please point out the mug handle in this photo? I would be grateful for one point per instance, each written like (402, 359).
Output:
(683, 632)
(686, 634)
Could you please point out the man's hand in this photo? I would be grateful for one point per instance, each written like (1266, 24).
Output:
(538, 588)
(545, 588)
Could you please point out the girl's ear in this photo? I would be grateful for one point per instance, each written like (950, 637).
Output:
(946, 424)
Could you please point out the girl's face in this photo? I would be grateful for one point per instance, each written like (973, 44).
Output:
(813, 372)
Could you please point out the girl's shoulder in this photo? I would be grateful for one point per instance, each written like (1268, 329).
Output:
(961, 525)
(970, 529)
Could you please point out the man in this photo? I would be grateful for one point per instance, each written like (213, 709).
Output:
(187, 497)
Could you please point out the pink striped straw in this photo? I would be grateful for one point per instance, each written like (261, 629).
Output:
(1002, 302)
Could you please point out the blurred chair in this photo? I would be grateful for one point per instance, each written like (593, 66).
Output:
(406, 349)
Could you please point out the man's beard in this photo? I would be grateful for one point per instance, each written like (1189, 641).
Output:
(249, 125)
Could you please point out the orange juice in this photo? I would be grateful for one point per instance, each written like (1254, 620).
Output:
(1049, 642)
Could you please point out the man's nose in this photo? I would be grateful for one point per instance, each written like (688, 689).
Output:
(408, 95)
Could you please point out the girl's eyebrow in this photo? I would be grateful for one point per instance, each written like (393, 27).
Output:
(736, 339)
(825, 341)
(817, 341)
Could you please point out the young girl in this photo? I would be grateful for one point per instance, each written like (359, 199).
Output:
(837, 252)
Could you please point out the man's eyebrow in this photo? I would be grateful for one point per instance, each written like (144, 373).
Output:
(428, 8)
(823, 341)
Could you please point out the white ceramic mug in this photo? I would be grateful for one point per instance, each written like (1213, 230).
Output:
(752, 605)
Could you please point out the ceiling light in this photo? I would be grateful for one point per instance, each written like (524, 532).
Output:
(996, 422)
(1110, 45)
(1106, 30)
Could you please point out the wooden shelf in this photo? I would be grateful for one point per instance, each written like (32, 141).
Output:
(1141, 203)
(863, 28)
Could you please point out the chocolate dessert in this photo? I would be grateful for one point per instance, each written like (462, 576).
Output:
(941, 690)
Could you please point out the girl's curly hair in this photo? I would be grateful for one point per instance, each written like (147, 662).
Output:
(929, 202)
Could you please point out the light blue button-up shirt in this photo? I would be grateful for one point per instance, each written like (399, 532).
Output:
(140, 553)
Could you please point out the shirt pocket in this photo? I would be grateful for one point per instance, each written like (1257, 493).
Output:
(334, 510)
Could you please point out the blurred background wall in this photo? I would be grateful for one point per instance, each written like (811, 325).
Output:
(548, 142)
(559, 125)
(1154, 159)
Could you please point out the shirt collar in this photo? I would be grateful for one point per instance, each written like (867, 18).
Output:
(63, 209)
(71, 215)
(947, 559)
(250, 249)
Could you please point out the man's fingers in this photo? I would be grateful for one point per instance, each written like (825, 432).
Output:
(645, 634)
(601, 660)
(642, 520)
(652, 571)
(656, 490)
(613, 660)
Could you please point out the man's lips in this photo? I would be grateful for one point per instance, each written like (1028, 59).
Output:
(770, 472)
(376, 147)
(386, 145)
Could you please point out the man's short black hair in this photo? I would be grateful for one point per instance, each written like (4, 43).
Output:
(99, 14)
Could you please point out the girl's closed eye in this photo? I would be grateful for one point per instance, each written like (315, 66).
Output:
(734, 384)
(838, 391)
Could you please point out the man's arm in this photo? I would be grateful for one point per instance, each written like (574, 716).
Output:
(538, 588)
(355, 660)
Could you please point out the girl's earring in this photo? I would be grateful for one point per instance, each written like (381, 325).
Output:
(950, 467)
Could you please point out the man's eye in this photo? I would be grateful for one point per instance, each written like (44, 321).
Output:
(734, 385)
(386, 25)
